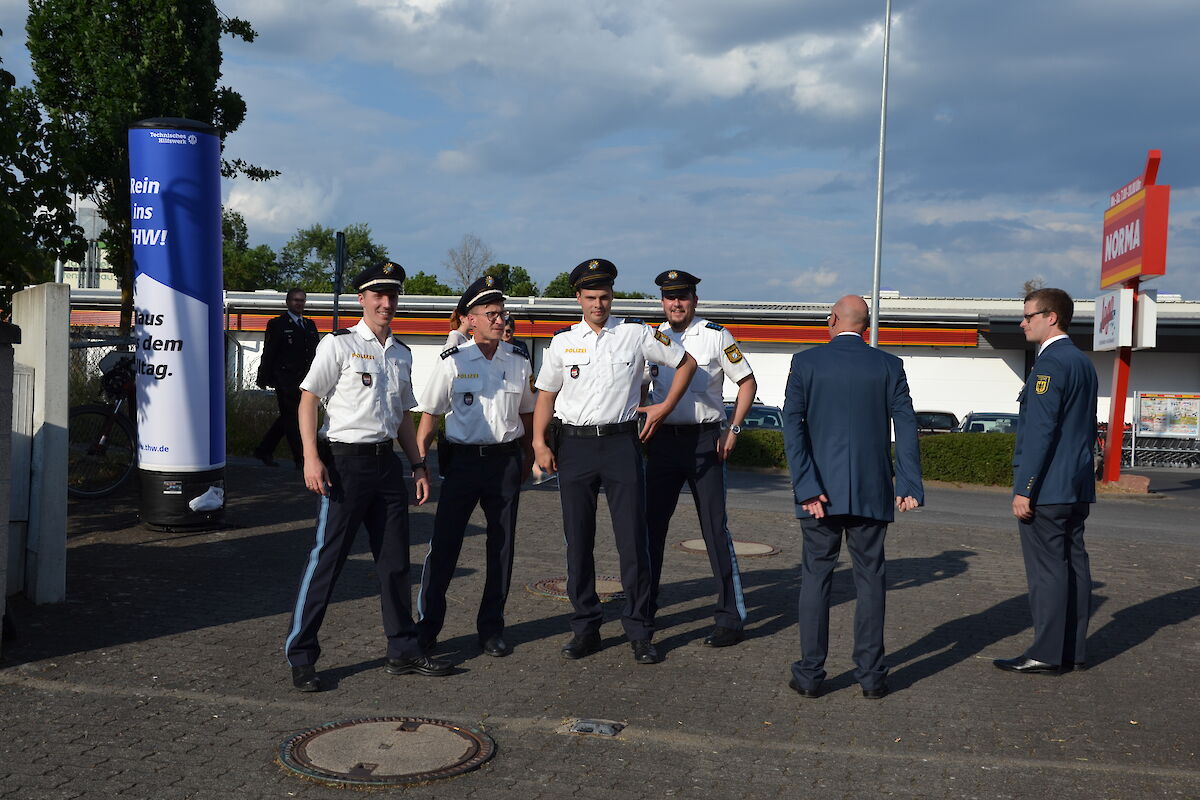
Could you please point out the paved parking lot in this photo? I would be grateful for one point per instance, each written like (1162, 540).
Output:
(163, 677)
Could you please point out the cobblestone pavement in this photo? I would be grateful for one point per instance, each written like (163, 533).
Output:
(162, 676)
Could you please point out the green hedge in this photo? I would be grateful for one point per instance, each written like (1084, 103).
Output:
(984, 458)
(968, 458)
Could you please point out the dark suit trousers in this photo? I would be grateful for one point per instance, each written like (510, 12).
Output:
(616, 463)
(822, 541)
(287, 424)
(679, 454)
(493, 482)
(367, 491)
(1060, 581)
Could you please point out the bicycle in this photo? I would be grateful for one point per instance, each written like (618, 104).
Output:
(102, 437)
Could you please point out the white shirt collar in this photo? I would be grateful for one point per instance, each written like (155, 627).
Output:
(1050, 341)
(849, 333)
(368, 335)
(609, 324)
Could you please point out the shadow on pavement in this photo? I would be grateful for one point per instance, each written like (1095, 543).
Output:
(1136, 624)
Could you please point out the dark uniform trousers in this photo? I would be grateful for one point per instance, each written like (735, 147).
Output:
(493, 481)
(679, 454)
(616, 462)
(367, 490)
(1060, 581)
(286, 425)
(822, 541)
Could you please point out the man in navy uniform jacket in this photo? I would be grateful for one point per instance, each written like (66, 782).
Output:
(1053, 485)
(839, 402)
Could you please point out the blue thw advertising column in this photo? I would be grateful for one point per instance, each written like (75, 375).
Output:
(175, 196)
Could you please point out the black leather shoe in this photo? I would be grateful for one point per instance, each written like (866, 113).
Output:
(266, 459)
(876, 694)
(644, 652)
(1025, 664)
(800, 690)
(305, 678)
(1077, 666)
(581, 646)
(420, 665)
(495, 646)
(723, 637)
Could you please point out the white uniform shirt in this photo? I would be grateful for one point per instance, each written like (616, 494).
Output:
(456, 337)
(717, 354)
(598, 376)
(366, 386)
(481, 398)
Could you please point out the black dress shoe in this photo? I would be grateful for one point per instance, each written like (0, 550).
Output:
(644, 652)
(581, 646)
(877, 693)
(1025, 664)
(495, 646)
(266, 459)
(1078, 666)
(800, 690)
(420, 665)
(305, 678)
(724, 637)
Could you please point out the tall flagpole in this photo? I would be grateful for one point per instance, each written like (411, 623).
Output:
(887, 35)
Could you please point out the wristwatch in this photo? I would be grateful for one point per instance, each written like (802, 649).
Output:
(419, 465)
(735, 429)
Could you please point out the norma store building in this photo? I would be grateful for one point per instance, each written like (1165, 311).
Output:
(960, 354)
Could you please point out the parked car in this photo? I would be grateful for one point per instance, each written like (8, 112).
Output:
(930, 422)
(988, 422)
(760, 417)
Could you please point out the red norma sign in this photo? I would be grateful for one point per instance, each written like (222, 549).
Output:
(1135, 229)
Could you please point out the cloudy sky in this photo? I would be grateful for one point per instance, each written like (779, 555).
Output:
(737, 140)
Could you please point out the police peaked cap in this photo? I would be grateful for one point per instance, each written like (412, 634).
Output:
(380, 276)
(488, 289)
(595, 273)
(676, 281)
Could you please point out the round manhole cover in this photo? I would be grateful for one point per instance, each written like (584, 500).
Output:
(607, 587)
(740, 549)
(385, 751)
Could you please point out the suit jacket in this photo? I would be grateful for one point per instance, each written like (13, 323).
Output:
(288, 351)
(1056, 432)
(840, 398)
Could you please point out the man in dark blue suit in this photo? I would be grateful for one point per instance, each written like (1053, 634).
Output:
(839, 402)
(1053, 485)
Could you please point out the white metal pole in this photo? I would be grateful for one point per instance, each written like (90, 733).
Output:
(887, 33)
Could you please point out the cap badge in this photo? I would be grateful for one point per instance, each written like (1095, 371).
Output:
(672, 274)
(593, 265)
(490, 281)
(388, 268)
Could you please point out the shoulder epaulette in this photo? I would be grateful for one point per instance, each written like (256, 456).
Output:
(396, 339)
(341, 331)
(635, 321)
(449, 352)
(563, 330)
(714, 326)
(520, 349)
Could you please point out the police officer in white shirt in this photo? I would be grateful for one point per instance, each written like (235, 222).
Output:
(363, 376)
(485, 390)
(693, 443)
(590, 382)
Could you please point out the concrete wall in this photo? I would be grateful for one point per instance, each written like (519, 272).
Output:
(9, 335)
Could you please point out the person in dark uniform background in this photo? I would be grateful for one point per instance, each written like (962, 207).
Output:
(291, 343)
(483, 388)
(692, 444)
(1054, 485)
(363, 375)
(839, 401)
(591, 381)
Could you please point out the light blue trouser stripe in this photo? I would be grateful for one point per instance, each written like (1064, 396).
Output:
(421, 586)
(313, 558)
(737, 575)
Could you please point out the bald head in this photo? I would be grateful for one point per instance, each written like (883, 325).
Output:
(849, 315)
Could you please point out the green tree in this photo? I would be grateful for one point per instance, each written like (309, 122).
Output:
(516, 280)
(36, 221)
(632, 296)
(308, 258)
(246, 268)
(560, 286)
(100, 65)
(425, 284)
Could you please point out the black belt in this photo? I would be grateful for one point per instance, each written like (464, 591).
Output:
(684, 430)
(360, 449)
(594, 431)
(484, 450)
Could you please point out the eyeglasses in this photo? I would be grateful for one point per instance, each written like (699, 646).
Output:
(492, 316)
(1034, 314)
